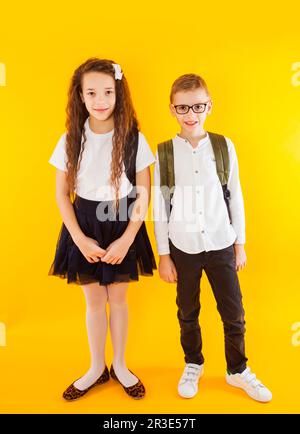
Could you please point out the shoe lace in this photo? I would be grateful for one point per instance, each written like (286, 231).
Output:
(190, 373)
(251, 379)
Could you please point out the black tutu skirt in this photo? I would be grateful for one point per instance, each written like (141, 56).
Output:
(69, 263)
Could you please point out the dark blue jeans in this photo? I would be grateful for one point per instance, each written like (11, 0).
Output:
(219, 266)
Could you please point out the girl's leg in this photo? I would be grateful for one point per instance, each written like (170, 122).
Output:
(96, 323)
(118, 329)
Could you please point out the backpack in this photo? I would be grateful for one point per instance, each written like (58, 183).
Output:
(167, 175)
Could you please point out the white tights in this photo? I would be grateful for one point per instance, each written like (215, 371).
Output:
(96, 322)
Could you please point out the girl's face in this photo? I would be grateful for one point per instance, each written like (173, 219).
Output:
(98, 94)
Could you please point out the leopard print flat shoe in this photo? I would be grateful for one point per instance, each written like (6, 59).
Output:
(137, 391)
(72, 393)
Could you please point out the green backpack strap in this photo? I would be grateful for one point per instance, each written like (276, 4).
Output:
(167, 173)
(220, 149)
(221, 155)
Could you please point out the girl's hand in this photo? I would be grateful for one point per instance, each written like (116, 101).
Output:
(116, 251)
(240, 256)
(90, 249)
(167, 270)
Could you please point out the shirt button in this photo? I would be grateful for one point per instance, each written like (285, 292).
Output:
(194, 152)
(200, 212)
(202, 232)
(196, 171)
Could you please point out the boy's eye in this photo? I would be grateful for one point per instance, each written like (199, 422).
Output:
(199, 108)
(182, 107)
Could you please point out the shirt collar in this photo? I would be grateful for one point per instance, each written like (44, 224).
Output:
(200, 143)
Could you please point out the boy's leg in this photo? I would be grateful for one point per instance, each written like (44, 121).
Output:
(189, 271)
(222, 275)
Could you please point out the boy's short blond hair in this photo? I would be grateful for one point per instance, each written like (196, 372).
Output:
(188, 82)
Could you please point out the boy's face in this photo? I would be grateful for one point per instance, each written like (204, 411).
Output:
(98, 94)
(189, 121)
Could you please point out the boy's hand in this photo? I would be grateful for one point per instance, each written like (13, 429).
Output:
(240, 256)
(90, 248)
(117, 250)
(166, 269)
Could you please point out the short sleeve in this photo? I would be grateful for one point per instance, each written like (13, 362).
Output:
(59, 157)
(144, 156)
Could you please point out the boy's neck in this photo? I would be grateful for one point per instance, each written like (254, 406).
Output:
(193, 138)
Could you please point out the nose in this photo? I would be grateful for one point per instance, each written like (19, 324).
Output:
(100, 100)
(190, 114)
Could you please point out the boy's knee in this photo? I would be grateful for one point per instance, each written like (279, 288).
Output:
(188, 313)
(235, 325)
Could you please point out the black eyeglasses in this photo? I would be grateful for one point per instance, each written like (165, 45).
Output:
(183, 109)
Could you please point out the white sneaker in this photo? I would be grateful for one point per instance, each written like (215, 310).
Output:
(251, 385)
(188, 383)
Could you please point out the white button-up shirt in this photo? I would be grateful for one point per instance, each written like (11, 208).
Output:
(199, 219)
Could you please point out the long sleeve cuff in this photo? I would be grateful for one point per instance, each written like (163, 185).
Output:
(240, 239)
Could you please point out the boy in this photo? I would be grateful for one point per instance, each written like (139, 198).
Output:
(201, 226)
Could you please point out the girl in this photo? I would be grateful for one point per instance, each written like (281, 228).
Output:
(103, 192)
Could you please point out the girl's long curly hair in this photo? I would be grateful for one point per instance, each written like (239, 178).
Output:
(125, 123)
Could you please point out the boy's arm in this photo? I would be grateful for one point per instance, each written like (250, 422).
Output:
(236, 200)
(161, 227)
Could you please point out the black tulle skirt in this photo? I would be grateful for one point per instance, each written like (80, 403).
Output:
(98, 220)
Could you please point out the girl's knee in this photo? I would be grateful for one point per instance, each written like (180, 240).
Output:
(117, 295)
(96, 296)
(117, 300)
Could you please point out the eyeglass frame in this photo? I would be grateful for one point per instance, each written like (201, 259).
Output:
(191, 107)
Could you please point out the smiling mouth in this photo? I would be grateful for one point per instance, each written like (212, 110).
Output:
(191, 123)
(101, 110)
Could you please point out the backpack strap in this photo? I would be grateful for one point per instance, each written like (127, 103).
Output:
(220, 149)
(130, 153)
(167, 173)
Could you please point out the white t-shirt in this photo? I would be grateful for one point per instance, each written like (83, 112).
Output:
(94, 172)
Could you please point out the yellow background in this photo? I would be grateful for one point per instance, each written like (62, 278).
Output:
(245, 52)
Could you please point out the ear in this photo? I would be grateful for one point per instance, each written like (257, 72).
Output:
(209, 107)
(172, 110)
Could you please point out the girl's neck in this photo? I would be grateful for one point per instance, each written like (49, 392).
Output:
(101, 127)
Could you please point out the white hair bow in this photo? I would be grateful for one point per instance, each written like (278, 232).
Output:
(118, 71)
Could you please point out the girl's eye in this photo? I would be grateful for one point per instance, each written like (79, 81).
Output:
(90, 93)
(108, 92)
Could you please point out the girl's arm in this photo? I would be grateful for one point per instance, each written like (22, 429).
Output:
(65, 206)
(141, 204)
(88, 247)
